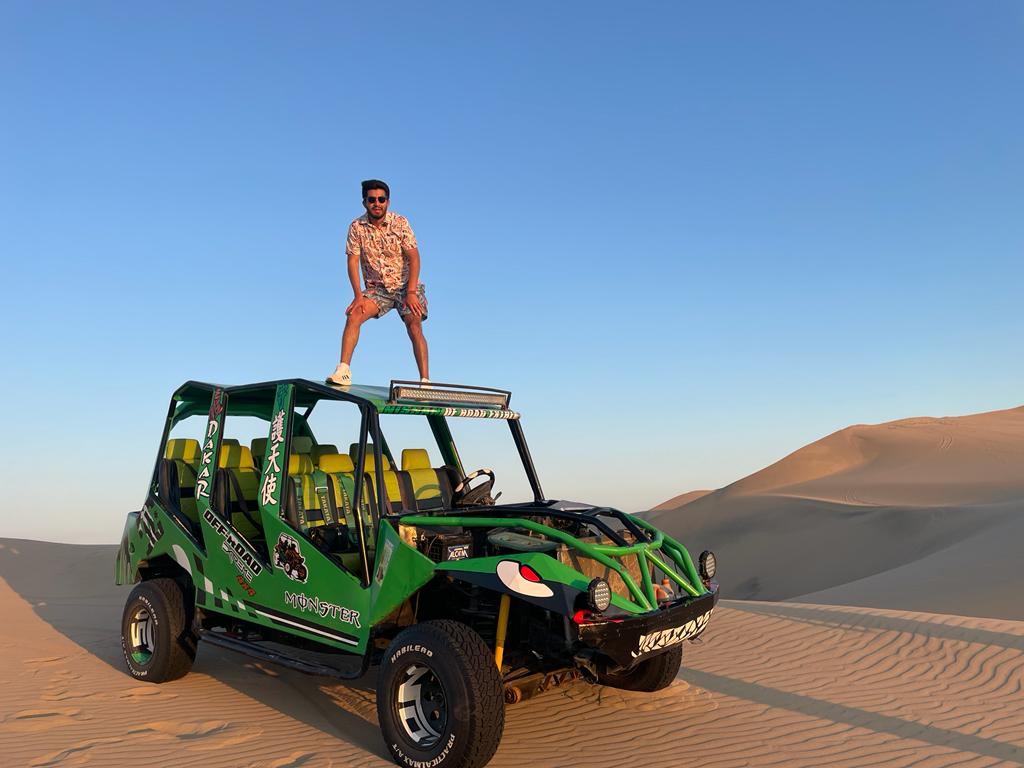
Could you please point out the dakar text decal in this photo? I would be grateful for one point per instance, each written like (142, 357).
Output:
(666, 637)
(273, 469)
(322, 608)
(241, 556)
(203, 479)
(288, 557)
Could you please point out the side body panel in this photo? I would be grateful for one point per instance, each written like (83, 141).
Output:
(292, 587)
(399, 571)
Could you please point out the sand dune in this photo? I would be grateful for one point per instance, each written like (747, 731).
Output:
(682, 499)
(952, 461)
(772, 685)
(916, 513)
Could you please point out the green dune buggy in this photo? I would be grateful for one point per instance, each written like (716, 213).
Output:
(260, 536)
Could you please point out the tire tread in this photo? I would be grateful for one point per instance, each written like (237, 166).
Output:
(651, 675)
(182, 648)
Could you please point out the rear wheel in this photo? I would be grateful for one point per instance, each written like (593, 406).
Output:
(156, 632)
(439, 697)
(650, 675)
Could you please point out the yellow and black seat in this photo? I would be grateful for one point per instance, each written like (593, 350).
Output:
(339, 473)
(431, 486)
(178, 471)
(258, 446)
(236, 496)
(307, 512)
(319, 451)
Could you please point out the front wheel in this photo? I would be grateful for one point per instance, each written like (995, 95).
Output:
(650, 675)
(440, 697)
(156, 632)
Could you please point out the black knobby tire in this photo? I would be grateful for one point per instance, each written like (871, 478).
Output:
(156, 632)
(650, 675)
(446, 667)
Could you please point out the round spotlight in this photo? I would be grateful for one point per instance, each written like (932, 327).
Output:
(707, 564)
(600, 595)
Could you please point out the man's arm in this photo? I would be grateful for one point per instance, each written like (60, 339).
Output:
(352, 252)
(353, 277)
(411, 299)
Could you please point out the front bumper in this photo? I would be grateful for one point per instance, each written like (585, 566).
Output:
(626, 641)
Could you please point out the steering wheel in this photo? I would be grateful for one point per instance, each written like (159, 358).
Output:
(464, 496)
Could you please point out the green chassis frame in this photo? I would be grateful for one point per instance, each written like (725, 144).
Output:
(331, 605)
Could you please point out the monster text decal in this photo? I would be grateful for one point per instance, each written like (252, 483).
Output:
(322, 608)
(243, 558)
(666, 637)
(206, 463)
(288, 557)
(273, 469)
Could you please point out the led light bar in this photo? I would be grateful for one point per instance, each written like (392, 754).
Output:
(449, 394)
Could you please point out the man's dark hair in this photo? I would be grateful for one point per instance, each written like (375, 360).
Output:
(375, 184)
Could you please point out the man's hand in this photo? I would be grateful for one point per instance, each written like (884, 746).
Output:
(412, 301)
(358, 301)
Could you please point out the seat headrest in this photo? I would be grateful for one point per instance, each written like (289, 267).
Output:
(235, 457)
(259, 447)
(368, 465)
(336, 463)
(302, 444)
(182, 448)
(415, 458)
(229, 441)
(323, 450)
(300, 464)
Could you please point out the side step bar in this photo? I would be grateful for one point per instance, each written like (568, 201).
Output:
(278, 657)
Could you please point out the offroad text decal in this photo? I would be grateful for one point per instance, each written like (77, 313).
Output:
(241, 556)
(666, 637)
(288, 557)
(272, 468)
(206, 463)
(321, 608)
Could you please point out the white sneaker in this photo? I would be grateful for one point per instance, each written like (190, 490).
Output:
(342, 375)
(424, 380)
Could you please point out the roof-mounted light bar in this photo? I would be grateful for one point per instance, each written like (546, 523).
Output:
(448, 394)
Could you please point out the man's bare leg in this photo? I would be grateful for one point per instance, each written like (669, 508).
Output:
(419, 344)
(350, 336)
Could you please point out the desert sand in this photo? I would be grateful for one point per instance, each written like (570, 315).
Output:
(919, 521)
(920, 514)
(773, 684)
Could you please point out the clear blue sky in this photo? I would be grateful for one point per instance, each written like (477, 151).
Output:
(690, 237)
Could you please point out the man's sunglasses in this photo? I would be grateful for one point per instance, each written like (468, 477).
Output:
(380, 199)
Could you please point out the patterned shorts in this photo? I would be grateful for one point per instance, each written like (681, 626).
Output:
(387, 300)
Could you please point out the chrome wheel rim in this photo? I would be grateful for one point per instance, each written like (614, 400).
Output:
(142, 636)
(421, 706)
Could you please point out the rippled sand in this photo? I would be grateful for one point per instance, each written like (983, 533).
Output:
(779, 684)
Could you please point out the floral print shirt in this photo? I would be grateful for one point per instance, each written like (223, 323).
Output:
(381, 249)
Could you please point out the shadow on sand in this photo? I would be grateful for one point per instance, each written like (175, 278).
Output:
(71, 587)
